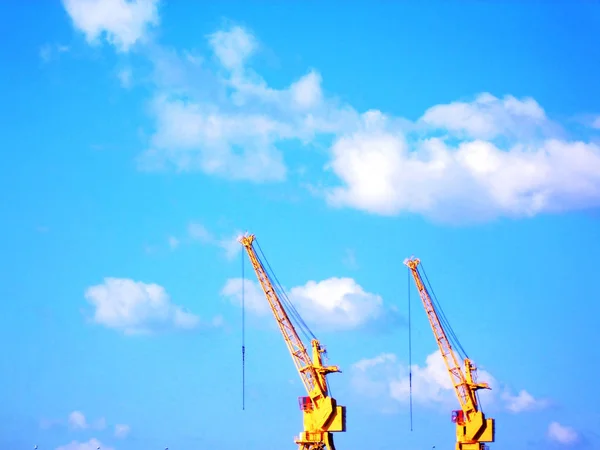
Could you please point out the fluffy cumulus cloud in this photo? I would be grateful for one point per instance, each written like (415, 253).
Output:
(335, 303)
(136, 307)
(562, 434)
(386, 376)
(465, 161)
(92, 444)
(383, 172)
(121, 22)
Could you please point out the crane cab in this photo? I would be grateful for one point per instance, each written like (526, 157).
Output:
(458, 417)
(305, 403)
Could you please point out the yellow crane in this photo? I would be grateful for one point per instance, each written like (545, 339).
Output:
(472, 427)
(321, 413)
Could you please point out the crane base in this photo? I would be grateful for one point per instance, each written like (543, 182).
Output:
(475, 446)
(315, 441)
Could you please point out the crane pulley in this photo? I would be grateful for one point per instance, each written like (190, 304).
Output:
(321, 413)
(472, 427)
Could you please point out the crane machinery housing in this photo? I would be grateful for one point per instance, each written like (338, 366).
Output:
(321, 414)
(473, 429)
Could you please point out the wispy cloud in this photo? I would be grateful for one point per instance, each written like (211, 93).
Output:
(197, 232)
(350, 259)
(125, 77)
(49, 52)
(122, 430)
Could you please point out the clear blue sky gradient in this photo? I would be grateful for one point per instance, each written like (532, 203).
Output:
(521, 293)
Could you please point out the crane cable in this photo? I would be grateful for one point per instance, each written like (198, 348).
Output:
(443, 319)
(291, 309)
(448, 328)
(287, 303)
(445, 324)
(410, 355)
(243, 339)
(289, 306)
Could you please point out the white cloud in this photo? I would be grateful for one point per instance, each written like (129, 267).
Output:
(99, 424)
(229, 244)
(92, 444)
(136, 307)
(124, 76)
(46, 424)
(431, 385)
(500, 157)
(306, 92)
(474, 181)
(173, 242)
(350, 259)
(229, 123)
(122, 22)
(233, 46)
(562, 434)
(253, 295)
(335, 303)
(51, 51)
(199, 232)
(45, 53)
(122, 430)
(523, 401)
(466, 161)
(77, 420)
(192, 136)
(596, 123)
(487, 116)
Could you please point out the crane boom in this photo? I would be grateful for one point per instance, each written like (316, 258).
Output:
(472, 427)
(290, 335)
(467, 400)
(321, 414)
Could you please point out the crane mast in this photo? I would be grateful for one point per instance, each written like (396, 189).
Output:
(472, 427)
(321, 414)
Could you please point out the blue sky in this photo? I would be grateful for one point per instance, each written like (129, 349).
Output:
(140, 139)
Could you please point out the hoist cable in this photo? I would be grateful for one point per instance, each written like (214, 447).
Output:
(286, 303)
(243, 338)
(444, 319)
(284, 298)
(410, 355)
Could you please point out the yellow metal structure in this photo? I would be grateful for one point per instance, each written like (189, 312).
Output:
(321, 413)
(472, 427)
